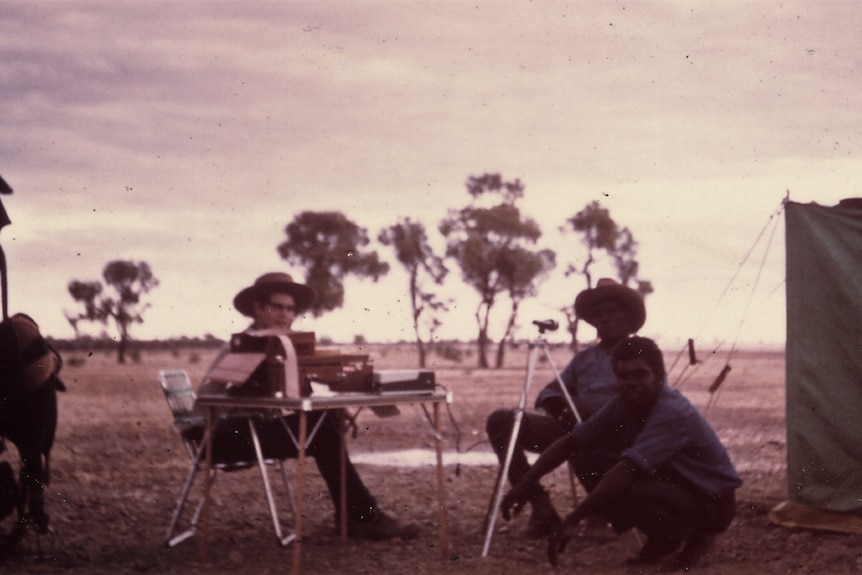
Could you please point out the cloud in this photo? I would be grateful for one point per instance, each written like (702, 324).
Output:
(189, 134)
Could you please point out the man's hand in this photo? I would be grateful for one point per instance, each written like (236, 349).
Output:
(514, 501)
(560, 538)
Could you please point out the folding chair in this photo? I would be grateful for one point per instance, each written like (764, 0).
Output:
(181, 400)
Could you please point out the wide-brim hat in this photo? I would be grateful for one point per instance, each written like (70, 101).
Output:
(40, 361)
(274, 282)
(609, 290)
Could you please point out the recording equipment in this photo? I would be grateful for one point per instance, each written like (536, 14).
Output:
(403, 381)
(546, 325)
(283, 364)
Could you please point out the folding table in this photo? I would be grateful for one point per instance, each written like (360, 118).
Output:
(303, 406)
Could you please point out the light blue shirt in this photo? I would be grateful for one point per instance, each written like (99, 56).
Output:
(590, 380)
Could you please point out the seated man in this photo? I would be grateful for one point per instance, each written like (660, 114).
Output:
(674, 481)
(273, 301)
(616, 311)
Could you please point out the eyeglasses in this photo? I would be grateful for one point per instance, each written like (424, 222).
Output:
(281, 307)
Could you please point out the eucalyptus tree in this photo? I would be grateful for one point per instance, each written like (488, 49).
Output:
(127, 282)
(485, 238)
(409, 240)
(329, 247)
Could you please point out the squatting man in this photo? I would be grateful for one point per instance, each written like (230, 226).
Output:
(673, 481)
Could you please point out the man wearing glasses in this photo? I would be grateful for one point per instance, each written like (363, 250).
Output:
(273, 302)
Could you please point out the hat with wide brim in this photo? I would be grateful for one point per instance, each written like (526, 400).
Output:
(274, 282)
(40, 362)
(609, 290)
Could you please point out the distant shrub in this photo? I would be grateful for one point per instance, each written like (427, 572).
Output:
(450, 351)
(359, 339)
(324, 340)
(75, 361)
(194, 357)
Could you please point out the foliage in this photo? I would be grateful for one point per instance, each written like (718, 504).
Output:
(489, 244)
(328, 245)
(410, 242)
(127, 280)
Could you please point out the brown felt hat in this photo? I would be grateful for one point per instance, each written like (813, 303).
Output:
(274, 282)
(608, 289)
(41, 361)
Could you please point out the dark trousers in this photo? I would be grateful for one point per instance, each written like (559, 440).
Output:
(232, 442)
(537, 432)
(664, 510)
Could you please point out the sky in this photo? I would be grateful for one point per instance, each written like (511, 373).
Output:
(188, 134)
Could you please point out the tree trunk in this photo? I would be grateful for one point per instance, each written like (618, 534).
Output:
(420, 347)
(121, 350)
(501, 348)
(482, 342)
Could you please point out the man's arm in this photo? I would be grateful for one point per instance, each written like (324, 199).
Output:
(556, 454)
(609, 488)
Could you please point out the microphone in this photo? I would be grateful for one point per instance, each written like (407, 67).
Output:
(546, 325)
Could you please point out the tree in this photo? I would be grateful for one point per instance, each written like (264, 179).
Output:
(128, 281)
(486, 242)
(328, 246)
(410, 242)
(601, 234)
(521, 271)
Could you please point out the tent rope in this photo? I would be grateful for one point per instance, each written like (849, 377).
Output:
(771, 222)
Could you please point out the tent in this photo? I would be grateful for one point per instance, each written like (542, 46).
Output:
(824, 367)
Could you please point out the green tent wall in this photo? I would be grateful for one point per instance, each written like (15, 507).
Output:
(824, 355)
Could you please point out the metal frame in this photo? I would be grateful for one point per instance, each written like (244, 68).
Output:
(197, 456)
(304, 406)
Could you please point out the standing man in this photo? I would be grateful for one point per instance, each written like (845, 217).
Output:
(674, 480)
(273, 302)
(616, 311)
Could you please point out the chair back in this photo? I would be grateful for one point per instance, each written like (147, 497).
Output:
(181, 397)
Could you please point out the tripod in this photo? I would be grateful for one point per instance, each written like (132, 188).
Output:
(540, 344)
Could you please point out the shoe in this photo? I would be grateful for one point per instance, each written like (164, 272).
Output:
(694, 550)
(544, 519)
(654, 549)
(380, 527)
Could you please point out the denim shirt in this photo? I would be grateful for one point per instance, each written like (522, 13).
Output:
(673, 440)
(590, 380)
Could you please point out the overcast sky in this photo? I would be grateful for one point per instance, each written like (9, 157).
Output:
(188, 134)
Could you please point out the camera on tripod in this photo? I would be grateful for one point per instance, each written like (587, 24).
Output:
(546, 325)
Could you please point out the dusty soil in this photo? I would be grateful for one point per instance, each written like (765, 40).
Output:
(118, 466)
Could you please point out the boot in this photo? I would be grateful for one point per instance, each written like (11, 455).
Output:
(544, 519)
(697, 546)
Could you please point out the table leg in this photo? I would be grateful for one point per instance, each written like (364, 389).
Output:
(441, 485)
(300, 493)
(342, 470)
(203, 542)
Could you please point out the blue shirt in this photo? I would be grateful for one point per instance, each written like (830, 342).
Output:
(590, 380)
(673, 440)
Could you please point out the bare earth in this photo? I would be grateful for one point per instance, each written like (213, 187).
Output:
(118, 466)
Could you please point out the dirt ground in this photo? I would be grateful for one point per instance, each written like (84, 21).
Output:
(117, 468)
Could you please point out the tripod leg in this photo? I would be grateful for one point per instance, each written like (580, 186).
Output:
(493, 499)
(513, 438)
(562, 385)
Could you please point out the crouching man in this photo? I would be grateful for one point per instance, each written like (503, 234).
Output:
(674, 481)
